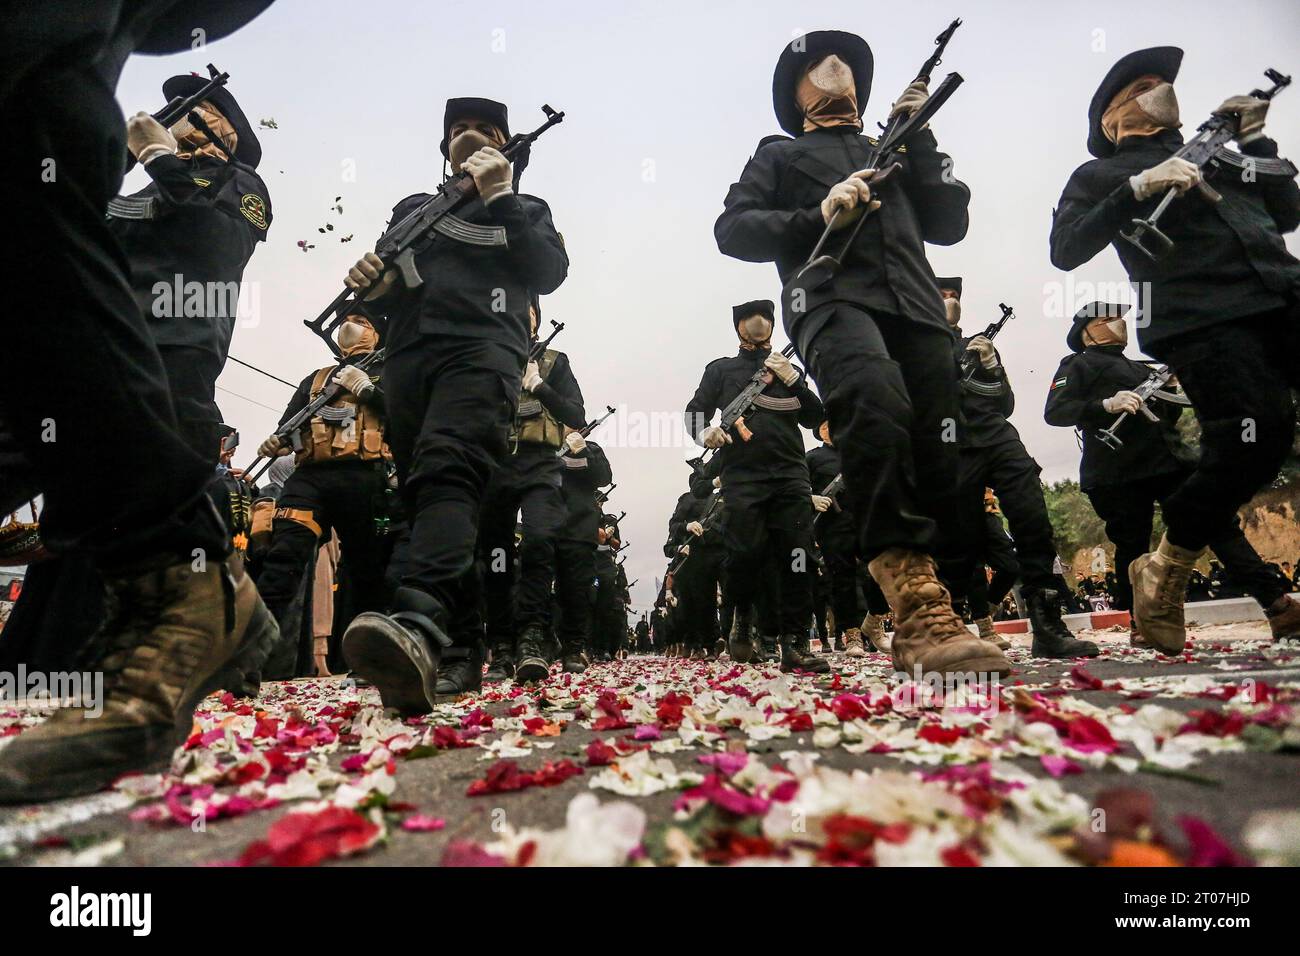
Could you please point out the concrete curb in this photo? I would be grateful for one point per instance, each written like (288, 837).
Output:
(1226, 611)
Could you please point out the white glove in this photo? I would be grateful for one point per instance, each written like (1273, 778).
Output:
(684, 551)
(913, 99)
(532, 377)
(695, 528)
(1250, 112)
(491, 172)
(147, 139)
(354, 380)
(270, 448)
(852, 195)
(574, 442)
(714, 437)
(780, 366)
(1173, 172)
(821, 503)
(1122, 401)
(671, 599)
(982, 346)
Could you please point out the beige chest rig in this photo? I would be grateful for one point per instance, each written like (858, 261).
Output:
(534, 424)
(343, 430)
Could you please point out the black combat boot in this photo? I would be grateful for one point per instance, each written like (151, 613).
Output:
(533, 665)
(769, 647)
(797, 655)
(503, 663)
(399, 652)
(573, 658)
(740, 643)
(1051, 637)
(461, 670)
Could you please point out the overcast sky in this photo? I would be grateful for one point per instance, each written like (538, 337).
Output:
(665, 101)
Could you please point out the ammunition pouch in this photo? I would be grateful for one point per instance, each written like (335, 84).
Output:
(263, 514)
(533, 423)
(344, 430)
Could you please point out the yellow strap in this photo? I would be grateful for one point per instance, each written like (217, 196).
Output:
(302, 516)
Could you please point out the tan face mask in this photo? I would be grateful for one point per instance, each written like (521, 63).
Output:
(354, 337)
(952, 312)
(1105, 332)
(1145, 106)
(827, 95)
(755, 333)
(192, 141)
(466, 144)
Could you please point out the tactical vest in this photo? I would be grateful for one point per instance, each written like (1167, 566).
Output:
(534, 424)
(343, 430)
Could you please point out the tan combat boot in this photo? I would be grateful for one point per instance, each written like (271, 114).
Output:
(1159, 580)
(928, 634)
(171, 637)
(853, 643)
(990, 633)
(1284, 618)
(873, 629)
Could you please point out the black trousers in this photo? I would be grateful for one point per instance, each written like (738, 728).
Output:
(837, 537)
(1239, 376)
(88, 395)
(192, 379)
(450, 401)
(1129, 513)
(610, 615)
(526, 484)
(346, 497)
(890, 390)
(696, 586)
(771, 522)
(999, 554)
(1009, 470)
(575, 591)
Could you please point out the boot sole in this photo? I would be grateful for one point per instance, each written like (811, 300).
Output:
(741, 653)
(373, 647)
(532, 670)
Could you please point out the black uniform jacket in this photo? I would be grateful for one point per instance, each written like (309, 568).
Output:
(479, 291)
(986, 403)
(583, 474)
(775, 452)
(1083, 380)
(562, 395)
(187, 260)
(1229, 260)
(773, 214)
(824, 466)
(689, 508)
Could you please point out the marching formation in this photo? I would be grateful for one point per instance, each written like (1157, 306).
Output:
(443, 471)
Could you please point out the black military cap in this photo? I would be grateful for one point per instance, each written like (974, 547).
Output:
(247, 150)
(950, 282)
(1163, 61)
(1093, 310)
(763, 307)
(173, 30)
(809, 48)
(459, 107)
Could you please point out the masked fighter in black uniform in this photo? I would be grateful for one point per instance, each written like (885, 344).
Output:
(874, 336)
(765, 481)
(586, 468)
(456, 347)
(1222, 310)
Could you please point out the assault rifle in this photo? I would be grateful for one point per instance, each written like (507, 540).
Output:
(970, 361)
(706, 522)
(179, 106)
(733, 416)
(603, 496)
(539, 348)
(832, 491)
(1211, 137)
(590, 427)
(396, 247)
(291, 429)
(1152, 387)
(881, 157)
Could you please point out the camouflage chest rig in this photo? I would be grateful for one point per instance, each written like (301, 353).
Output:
(533, 424)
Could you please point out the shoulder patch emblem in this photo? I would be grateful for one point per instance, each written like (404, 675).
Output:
(1059, 382)
(254, 209)
(198, 181)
